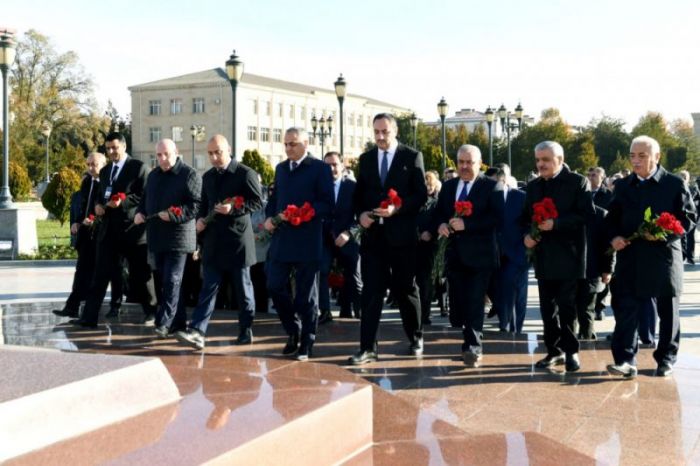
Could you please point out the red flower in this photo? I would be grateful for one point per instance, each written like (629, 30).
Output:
(384, 204)
(391, 199)
(307, 212)
(175, 210)
(118, 197)
(668, 222)
(91, 217)
(238, 202)
(463, 208)
(336, 280)
(295, 221)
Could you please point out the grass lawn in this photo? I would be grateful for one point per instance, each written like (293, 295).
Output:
(50, 233)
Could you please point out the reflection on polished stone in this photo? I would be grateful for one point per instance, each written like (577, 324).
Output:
(430, 410)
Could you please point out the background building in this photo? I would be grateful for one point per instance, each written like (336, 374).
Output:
(265, 108)
(472, 119)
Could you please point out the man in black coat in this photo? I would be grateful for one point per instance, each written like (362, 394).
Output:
(560, 252)
(388, 246)
(601, 198)
(123, 176)
(228, 244)
(647, 267)
(169, 204)
(81, 228)
(472, 251)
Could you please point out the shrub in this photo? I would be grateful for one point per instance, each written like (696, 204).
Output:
(56, 198)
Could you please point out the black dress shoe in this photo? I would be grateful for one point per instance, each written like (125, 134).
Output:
(472, 359)
(572, 362)
(245, 337)
(325, 317)
(550, 360)
(66, 313)
(345, 315)
(492, 313)
(113, 312)
(416, 347)
(625, 369)
(292, 345)
(304, 352)
(664, 370)
(149, 319)
(83, 323)
(363, 357)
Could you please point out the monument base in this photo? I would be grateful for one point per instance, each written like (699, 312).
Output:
(17, 232)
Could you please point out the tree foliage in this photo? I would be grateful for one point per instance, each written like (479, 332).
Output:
(19, 182)
(56, 198)
(257, 162)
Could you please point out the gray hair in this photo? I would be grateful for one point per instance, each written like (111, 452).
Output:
(299, 131)
(652, 143)
(552, 146)
(685, 174)
(469, 149)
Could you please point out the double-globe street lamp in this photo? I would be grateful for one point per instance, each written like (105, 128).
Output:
(197, 132)
(340, 93)
(443, 108)
(489, 121)
(504, 115)
(7, 57)
(414, 126)
(234, 71)
(324, 127)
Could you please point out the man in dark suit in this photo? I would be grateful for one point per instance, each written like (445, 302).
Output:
(646, 267)
(388, 247)
(127, 176)
(688, 240)
(601, 198)
(228, 244)
(560, 254)
(510, 284)
(339, 245)
(81, 228)
(297, 249)
(472, 253)
(170, 202)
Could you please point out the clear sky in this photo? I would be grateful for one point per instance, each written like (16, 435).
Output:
(621, 58)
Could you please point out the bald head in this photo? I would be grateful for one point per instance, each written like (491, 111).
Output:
(166, 153)
(219, 151)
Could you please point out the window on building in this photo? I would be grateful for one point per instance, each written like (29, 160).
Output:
(198, 105)
(276, 135)
(264, 134)
(154, 107)
(152, 161)
(351, 119)
(312, 140)
(254, 106)
(154, 134)
(359, 121)
(175, 106)
(268, 108)
(352, 141)
(291, 111)
(302, 113)
(281, 110)
(177, 133)
(199, 162)
(252, 133)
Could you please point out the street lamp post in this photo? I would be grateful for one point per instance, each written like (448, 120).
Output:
(489, 122)
(414, 125)
(321, 125)
(46, 131)
(234, 70)
(196, 131)
(7, 56)
(442, 111)
(340, 93)
(504, 115)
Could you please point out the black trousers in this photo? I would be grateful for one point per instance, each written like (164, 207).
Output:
(628, 310)
(110, 253)
(470, 286)
(425, 259)
(558, 309)
(257, 276)
(585, 309)
(384, 266)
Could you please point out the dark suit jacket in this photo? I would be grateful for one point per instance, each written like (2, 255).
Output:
(602, 197)
(228, 241)
(131, 181)
(343, 213)
(310, 182)
(477, 245)
(178, 187)
(82, 207)
(561, 254)
(511, 231)
(649, 268)
(407, 176)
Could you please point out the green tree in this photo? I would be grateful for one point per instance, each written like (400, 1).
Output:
(609, 139)
(257, 162)
(56, 198)
(582, 154)
(19, 182)
(620, 163)
(684, 133)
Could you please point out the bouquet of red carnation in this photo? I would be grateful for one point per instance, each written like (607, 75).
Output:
(294, 215)
(118, 197)
(336, 279)
(462, 209)
(91, 221)
(656, 229)
(175, 210)
(392, 198)
(236, 203)
(542, 211)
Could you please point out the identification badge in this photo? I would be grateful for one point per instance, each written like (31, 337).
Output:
(108, 193)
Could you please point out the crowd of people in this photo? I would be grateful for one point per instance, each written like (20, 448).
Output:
(467, 239)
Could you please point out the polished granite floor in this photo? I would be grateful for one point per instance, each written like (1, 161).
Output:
(431, 410)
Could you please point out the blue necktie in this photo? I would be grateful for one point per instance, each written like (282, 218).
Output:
(113, 175)
(384, 168)
(294, 165)
(463, 193)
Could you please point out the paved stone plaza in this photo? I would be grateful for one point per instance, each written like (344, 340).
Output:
(506, 412)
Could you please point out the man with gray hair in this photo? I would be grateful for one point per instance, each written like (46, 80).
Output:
(559, 247)
(472, 253)
(647, 267)
(688, 241)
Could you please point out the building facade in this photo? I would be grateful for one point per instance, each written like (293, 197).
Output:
(472, 119)
(168, 108)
